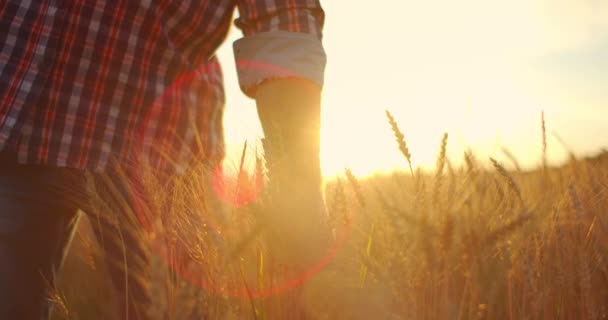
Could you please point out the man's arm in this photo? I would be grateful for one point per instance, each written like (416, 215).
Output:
(281, 63)
(290, 112)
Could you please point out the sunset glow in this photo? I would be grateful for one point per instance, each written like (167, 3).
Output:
(483, 71)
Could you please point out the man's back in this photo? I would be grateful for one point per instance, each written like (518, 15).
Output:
(79, 76)
(80, 81)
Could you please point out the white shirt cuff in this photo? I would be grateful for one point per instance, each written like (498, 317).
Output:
(278, 54)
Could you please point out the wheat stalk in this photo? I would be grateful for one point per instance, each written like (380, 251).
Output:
(441, 159)
(356, 186)
(544, 133)
(400, 138)
(510, 181)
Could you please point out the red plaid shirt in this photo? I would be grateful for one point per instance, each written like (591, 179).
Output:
(83, 82)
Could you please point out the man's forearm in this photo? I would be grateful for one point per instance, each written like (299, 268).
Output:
(290, 113)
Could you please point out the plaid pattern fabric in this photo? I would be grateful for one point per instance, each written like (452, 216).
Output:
(87, 82)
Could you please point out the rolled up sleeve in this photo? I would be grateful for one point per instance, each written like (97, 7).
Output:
(278, 54)
(282, 40)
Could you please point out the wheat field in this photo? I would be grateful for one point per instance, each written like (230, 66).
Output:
(477, 241)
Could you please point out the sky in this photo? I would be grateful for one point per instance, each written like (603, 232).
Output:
(480, 70)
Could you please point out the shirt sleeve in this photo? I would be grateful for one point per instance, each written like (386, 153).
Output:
(282, 39)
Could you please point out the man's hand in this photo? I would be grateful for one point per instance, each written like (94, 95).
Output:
(289, 110)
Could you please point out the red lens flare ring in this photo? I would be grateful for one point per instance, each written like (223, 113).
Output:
(246, 197)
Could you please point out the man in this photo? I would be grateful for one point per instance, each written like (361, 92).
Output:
(88, 86)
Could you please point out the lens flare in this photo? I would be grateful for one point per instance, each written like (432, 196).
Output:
(238, 191)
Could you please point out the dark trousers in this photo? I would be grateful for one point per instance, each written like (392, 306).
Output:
(39, 208)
